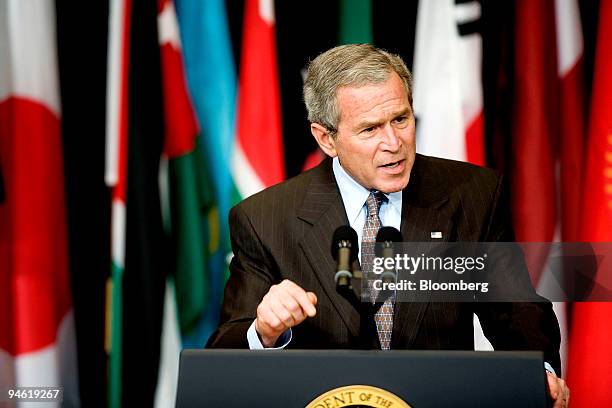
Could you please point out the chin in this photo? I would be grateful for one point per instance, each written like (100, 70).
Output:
(392, 186)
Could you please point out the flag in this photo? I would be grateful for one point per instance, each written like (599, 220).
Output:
(355, 22)
(1, 185)
(185, 195)
(140, 247)
(211, 81)
(535, 144)
(355, 27)
(37, 342)
(570, 61)
(447, 81)
(547, 133)
(571, 134)
(257, 160)
(590, 351)
(147, 249)
(535, 124)
(116, 180)
(447, 91)
(187, 183)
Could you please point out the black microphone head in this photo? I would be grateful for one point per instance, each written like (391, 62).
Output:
(389, 234)
(345, 237)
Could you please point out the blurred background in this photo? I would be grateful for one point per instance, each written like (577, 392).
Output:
(128, 129)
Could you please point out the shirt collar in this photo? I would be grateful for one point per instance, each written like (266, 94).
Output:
(354, 195)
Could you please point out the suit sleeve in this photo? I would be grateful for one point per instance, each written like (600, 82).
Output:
(251, 275)
(516, 325)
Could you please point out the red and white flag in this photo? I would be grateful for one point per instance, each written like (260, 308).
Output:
(448, 98)
(548, 132)
(570, 50)
(258, 158)
(116, 179)
(37, 343)
(181, 130)
(590, 350)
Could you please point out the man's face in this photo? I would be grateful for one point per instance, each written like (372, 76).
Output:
(375, 141)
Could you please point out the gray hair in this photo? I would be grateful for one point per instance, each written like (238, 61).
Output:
(347, 65)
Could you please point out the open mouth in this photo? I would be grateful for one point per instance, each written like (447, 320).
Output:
(393, 164)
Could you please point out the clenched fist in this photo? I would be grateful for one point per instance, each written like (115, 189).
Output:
(284, 306)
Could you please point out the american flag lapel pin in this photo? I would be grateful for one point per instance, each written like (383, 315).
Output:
(436, 234)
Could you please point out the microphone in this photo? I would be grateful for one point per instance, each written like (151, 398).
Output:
(344, 249)
(385, 238)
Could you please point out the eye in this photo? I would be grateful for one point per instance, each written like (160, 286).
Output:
(401, 121)
(368, 130)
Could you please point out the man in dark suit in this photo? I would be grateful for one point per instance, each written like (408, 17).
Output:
(281, 291)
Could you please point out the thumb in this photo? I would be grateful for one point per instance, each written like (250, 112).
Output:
(552, 385)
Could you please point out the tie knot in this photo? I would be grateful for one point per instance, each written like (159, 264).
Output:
(374, 201)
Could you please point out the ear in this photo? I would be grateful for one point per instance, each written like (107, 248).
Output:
(324, 139)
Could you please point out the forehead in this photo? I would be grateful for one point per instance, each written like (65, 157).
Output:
(372, 100)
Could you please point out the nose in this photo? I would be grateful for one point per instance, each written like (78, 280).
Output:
(390, 140)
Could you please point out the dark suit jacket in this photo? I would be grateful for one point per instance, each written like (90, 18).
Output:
(284, 232)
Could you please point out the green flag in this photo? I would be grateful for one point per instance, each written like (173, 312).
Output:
(355, 22)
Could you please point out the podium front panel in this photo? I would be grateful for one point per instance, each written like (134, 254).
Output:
(294, 378)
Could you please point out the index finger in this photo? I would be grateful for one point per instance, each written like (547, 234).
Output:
(301, 297)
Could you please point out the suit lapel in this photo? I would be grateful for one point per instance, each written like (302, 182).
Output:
(423, 212)
(324, 211)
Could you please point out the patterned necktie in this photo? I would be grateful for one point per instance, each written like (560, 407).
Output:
(384, 316)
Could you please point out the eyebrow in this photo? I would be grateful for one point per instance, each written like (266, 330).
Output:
(367, 124)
